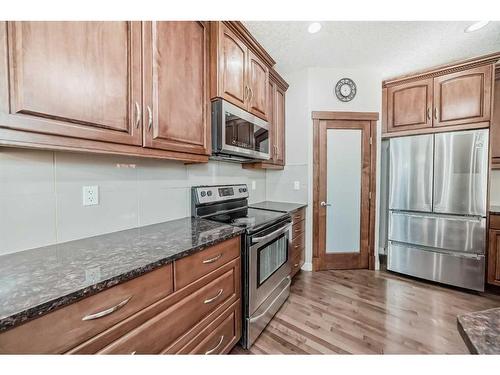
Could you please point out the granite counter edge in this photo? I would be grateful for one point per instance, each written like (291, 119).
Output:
(37, 311)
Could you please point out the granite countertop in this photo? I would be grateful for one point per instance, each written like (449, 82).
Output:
(278, 206)
(35, 282)
(494, 209)
(481, 331)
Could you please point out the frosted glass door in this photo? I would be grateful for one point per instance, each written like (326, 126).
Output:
(343, 190)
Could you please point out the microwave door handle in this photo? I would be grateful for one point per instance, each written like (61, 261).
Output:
(272, 234)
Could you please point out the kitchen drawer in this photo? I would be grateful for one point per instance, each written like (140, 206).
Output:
(299, 215)
(162, 330)
(298, 229)
(193, 267)
(494, 221)
(218, 337)
(65, 328)
(298, 243)
(297, 262)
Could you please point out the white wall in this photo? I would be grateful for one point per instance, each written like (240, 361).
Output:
(310, 90)
(41, 194)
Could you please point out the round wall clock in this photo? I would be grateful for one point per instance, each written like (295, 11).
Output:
(345, 89)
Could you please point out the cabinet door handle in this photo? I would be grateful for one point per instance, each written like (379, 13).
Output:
(245, 94)
(210, 300)
(436, 113)
(428, 113)
(216, 346)
(251, 93)
(150, 118)
(106, 312)
(137, 115)
(212, 260)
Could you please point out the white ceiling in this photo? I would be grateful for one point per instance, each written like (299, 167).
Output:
(393, 48)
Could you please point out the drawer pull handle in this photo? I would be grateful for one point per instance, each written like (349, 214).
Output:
(106, 312)
(212, 260)
(133, 353)
(210, 300)
(296, 265)
(216, 346)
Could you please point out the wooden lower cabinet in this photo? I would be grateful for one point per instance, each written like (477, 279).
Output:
(298, 240)
(163, 316)
(493, 267)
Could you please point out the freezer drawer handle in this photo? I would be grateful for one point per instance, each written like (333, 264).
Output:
(106, 312)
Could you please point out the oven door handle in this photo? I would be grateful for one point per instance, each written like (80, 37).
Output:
(272, 234)
(255, 318)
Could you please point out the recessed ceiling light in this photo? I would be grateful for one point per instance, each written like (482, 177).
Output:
(314, 27)
(476, 26)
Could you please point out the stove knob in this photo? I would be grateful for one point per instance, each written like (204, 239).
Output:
(240, 190)
(244, 190)
(203, 193)
(209, 193)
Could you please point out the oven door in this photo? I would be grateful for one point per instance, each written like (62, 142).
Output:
(240, 133)
(269, 265)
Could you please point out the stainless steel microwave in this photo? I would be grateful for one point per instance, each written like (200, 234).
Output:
(237, 134)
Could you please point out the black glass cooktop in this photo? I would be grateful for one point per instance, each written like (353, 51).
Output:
(250, 218)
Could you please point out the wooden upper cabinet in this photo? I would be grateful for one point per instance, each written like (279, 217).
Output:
(273, 133)
(239, 75)
(463, 97)
(409, 106)
(258, 81)
(279, 118)
(176, 86)
(75, 79)
(233, 68)
(495, 125)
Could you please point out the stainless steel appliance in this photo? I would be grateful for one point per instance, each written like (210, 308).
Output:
(238, 135)
(265, 251)
(437, 207)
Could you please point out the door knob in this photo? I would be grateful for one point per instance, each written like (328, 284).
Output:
(324, 204)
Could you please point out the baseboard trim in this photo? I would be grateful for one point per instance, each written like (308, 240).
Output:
(307, 266)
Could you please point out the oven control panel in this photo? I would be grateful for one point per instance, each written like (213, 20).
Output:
(219, 193)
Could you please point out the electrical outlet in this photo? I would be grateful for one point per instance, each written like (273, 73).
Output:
(90, 195)
(296, 185)
(92, 275)
(254, 185)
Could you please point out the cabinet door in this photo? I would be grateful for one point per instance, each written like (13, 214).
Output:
(280, 126)
(76, 79)
(463, 97)
(494, 257)
(495, 123)
(176, 86)
(409, 106)
(271, 105)
(258, 81)
(233, 68)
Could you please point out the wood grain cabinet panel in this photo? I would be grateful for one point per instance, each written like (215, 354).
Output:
(76, 79)
(233, 68)
(494, 257)
(258, 82)
(177, 86)
(409, 106)
(279, 118)
(463, 97)
(495, 125)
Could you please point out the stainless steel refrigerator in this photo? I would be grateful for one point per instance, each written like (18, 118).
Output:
(437, 207)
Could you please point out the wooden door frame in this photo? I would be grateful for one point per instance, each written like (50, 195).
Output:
(317, 117)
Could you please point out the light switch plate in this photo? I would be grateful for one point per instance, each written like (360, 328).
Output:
(90, 195)
(296, 185)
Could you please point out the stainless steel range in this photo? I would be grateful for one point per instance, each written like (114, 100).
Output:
(265, 251)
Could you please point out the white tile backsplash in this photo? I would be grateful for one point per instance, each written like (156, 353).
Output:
(41, 193)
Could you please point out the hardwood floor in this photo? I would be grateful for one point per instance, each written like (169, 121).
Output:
(368, 312)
